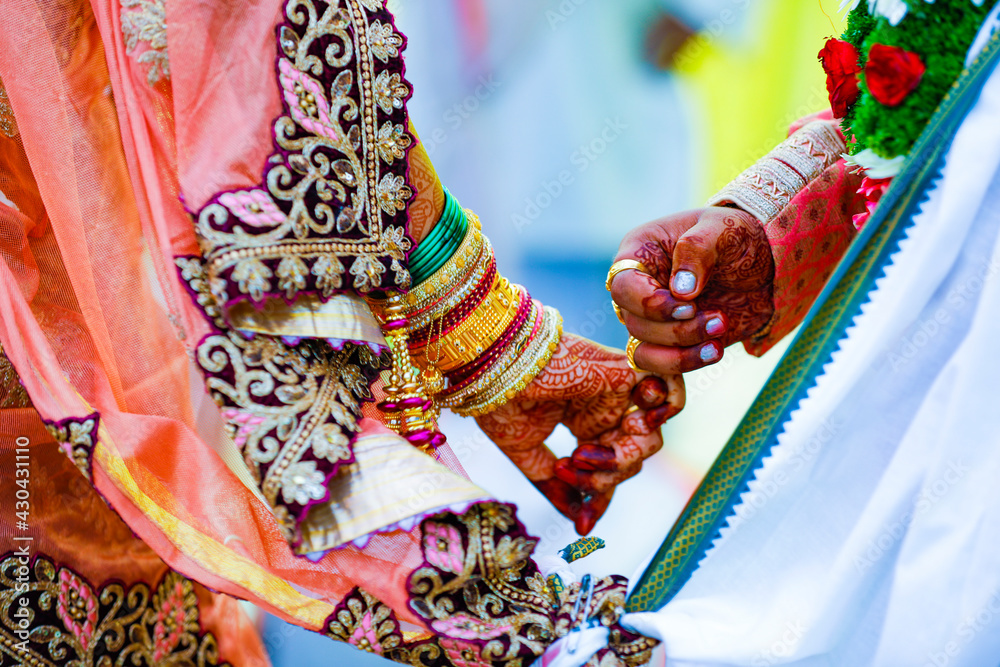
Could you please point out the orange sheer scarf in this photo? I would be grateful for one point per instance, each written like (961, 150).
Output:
(93, 315)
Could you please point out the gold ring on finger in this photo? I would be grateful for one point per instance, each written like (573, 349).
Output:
(624, 265)
(633, 345)
(618, 312)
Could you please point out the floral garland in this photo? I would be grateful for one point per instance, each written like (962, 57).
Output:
(888, 74)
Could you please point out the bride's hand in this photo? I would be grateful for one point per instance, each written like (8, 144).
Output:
(710, 284)
(589, 388)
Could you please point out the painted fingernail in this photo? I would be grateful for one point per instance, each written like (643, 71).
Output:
(684, 282)
(715, 326)
(685, 312)
(709, 352)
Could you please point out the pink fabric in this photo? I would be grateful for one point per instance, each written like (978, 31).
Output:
(808, 238)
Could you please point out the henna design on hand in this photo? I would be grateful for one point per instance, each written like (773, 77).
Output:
(588, 388)
(428, 203)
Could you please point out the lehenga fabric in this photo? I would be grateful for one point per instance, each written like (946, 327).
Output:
(234, 442)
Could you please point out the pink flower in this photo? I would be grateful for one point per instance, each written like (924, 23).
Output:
(871, 190)
(171, 619)
(463, 626)
(364, 636)
(460, 653)
(306, 101)
(255, 208)
(443, 547)
(77, 607)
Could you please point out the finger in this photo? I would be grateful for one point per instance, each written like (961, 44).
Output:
(564, 497)
(702, 328)
(594, 482)
(593, 509)
(642, 295)
(589, 458)
(651, 392)
(664, 361)
(694, 257)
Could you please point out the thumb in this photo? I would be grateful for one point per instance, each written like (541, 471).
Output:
(694, 257)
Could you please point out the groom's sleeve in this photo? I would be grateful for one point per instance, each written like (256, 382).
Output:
(805, 196)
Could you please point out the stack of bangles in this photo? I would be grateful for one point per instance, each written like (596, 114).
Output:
(463, 337)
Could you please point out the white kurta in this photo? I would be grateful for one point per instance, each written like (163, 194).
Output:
(871, 536)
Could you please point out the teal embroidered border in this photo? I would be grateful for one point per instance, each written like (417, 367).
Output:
(826, 324)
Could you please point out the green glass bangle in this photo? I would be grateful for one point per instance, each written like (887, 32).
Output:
(429, 251)
(432, 245)
(442, 243)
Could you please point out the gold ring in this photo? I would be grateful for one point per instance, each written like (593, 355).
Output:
(631, 409)
(633, 345)
(618, 312)
(624, 265)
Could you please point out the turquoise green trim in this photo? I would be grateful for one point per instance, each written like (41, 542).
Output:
(447, 235)
(826, 324)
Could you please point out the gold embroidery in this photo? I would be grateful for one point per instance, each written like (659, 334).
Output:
(13, 393)
(73, 624)
(335, 189)
(292, 410)
(485, 602)
(146, 21)
(8, 124)
(76, 439)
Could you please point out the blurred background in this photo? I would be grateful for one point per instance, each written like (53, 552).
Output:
(563, 124)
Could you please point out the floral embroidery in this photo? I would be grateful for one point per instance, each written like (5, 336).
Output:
(292, 410)
(13, 394)
(485, 601)
(255, 208)
(8, 124)
(77, 438)
(146, 21)
(330, 214)
(364, 622)
(74, 623)
(443, 547)
(76, 607)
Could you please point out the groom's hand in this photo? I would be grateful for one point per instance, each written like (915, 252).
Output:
(709, 285)
(614, 412)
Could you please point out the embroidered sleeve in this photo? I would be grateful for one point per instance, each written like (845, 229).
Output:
(769, 185)
(808, 238)
(326, 223)
(329, 215)
(805, 197)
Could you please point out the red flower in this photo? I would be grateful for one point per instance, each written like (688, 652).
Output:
(892, 73)
(871, 192)
(840, 62)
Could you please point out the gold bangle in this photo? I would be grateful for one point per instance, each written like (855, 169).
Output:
(475, 333)
(633, 345)
(624, 265)
(528, 363)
